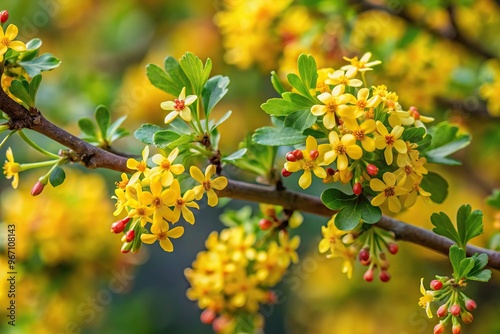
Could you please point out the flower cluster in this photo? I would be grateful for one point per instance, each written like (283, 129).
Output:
(8, 42)
(363, 131)
(366, 242)
(153, 195)
(234, 276)
(456, 304)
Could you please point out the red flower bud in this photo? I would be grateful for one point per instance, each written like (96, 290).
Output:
(127, 246)
(384, 276)
(291, 157)
(364, 255)
(119, 226)
(37, 189)
(455, 310)
(207, 316)
(442, 310)
(456, 329)
(436, 284)
(439, 328)
(4, 16)
(330, 171)
(393, 248)
(314, 154)
(368, 276)
(372, 170)
(129, 236)
(298, 154)
(357, 188)
(265, 224)
(285, 173)
(470, 305)
(220, 323)
(467, 317)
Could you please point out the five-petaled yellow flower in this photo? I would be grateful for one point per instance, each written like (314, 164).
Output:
(7, 40)
(11, 168)
(388, 191)
(331, 102)
(181, 203)
(389, 140)
(363, 64)
(179, 106)
(163, 235)
(426, 299)
(345, 78)
(140, 166)
(166, 168)
(341, 148)
(207, 184)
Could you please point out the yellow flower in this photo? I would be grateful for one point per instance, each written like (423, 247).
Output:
(388, 140)
(7, 40)
(362, 64)
(360, 133)
(308, 163)
(321, 85)
(345, 78)
(166, 168)
(426, 300)
(158, 201)
(179, 106)
(410, 199)
(181, 203)
(349, 113)
(11, 168)
(331, 102)
(139, 201)
(163, 235)
(123, 183)
(388, 191)
(341, 148)
(331, 239)
(207, 185)
(288, 247)
(140, 166)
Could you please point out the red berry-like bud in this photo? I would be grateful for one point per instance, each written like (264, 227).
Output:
(330, 171)
(442, 310)
(357, 188)
(207, 316)
(37, 189)
(470, 305)
(393, 248)
(119, 226)
(291, 157)
(4, 16)
(439, 329)
(372, 170)
(298, 154)
(314, 154)
(368, 276)
(455, 310)
(220, 323)
(285, 173)
(265, 224)
(436, 284)
(130, 235)
(384, 276)
(456, 329)
(364, 255)
(127, 246)
(467, 317)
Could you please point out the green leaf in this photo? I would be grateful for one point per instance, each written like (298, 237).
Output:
(413, 135)
(276, 82)
(146, 132)
(258, 159)
(444, 227)
(445, 141)
(121, 132)
(369, 214)
(278, 107)
(18, 90)
(57, 176)
(347, 218)
(114, 127)
(335, 199)
(482, 276)
(273, 136)
(297, 83)
(466, 266)
(308, 70)
(221, 120)
(34, 44)
(477, 273)
(494, 199)
(34, 85)
(195, 71)
(177, 76)
(235, 156)
(494, 242)
(164, 137)
(469, 225)
(45, 62)
(436, 185)
(87, 127)
(160, 79)
(103, 119)
(213, 92)
(457, 254)
(300, 120)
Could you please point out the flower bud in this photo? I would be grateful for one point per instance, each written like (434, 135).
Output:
(467, 317)
(372, 170)
(357, 188)
(439, 328)
(271, 297)
(470, 305)
(330, 171)
(455, 310)
(314, 154)
(37, 188)
(384, 276)
(291, 157)
(129, 236)
(119, 226)
(207, 316)
(220, 323)
(285, 173)
(364, 254)
(368, 276)
(298, 154)
(127, 246)
(436, 285)
(265, 224)
(393, 248)
(442, 310)
(4, 16)
(456, 329)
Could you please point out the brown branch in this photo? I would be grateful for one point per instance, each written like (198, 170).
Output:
(94, 157)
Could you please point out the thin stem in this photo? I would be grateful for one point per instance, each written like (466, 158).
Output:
(35, 146)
